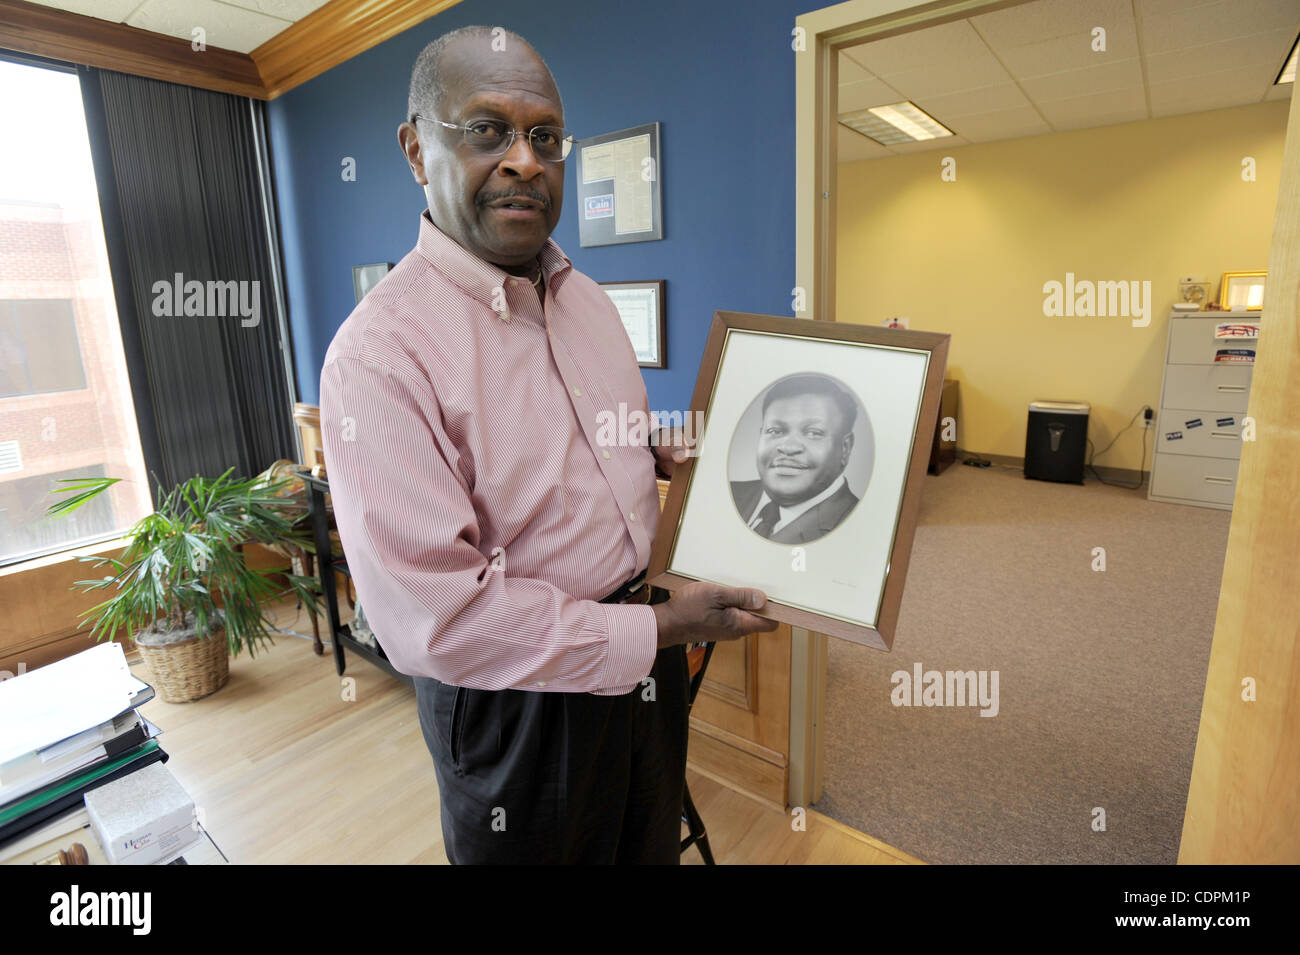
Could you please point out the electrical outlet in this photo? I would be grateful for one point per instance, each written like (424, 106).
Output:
(1148, 417)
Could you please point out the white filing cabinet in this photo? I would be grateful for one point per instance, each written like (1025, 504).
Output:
(1202, 403)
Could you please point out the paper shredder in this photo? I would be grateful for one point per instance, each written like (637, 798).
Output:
(1056, 440)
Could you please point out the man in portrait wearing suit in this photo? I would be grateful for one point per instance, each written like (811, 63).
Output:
(804, 444)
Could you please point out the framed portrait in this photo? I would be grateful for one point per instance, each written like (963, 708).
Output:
(641, 306)
(366, 277)
(805, 476)
(1243, 290)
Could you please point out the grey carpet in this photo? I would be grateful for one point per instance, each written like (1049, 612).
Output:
(1101, 676)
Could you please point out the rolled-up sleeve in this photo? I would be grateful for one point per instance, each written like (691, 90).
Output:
(438, 606)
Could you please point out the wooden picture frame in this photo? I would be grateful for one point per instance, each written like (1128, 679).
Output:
(644, 313)
(774, 396)
(1242, 285)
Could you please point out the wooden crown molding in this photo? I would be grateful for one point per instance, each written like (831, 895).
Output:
(89, 41)
(332, 34)
(336, 32)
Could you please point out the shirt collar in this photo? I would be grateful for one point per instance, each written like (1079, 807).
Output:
(794, 510)
(478, 278)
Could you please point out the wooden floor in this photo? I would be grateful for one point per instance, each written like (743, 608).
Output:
(284, 769)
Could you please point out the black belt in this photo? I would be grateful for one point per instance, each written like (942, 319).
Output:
(635, 591)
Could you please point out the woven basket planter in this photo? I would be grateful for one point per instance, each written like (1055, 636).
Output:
(188, 670)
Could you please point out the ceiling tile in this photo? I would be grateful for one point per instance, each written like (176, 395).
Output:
(1172, 105)
(231, 28)
(1048, 19)
(909, 51)
(850, 70)
(1029, 69)
(872, 92)
(1072, 52)
(1264, 51)
(1104, 77)
(1207, 91)
(940, 77)
(1154, 8)
(967, 102)
(117, 11)
(112, 10)
(1194, 25)
(1096, 109)
(284, 9)
(1002, 124)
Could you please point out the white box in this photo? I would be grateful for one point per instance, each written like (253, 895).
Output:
(143, 818)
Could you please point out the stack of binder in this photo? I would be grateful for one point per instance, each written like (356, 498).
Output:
(65, 729)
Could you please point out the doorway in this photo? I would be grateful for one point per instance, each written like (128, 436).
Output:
(830, 37)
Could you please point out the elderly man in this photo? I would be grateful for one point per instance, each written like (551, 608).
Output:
(499, 547)
(804, 443)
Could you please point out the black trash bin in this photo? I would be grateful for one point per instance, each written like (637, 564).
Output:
(1056, 440)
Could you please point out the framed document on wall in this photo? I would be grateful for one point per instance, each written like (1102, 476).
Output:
(805, 480)
(366, 277)
(620, 195)
(641, 306)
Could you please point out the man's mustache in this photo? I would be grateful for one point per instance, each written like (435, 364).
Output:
(482, 200)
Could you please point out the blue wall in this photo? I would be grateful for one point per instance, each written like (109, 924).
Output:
(718, 76)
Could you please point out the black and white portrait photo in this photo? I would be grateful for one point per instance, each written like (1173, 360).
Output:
(797, 455)
(805, 478)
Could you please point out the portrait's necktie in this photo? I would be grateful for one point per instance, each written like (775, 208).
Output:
(767, 519)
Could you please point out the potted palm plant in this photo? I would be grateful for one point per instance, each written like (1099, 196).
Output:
(183, 590)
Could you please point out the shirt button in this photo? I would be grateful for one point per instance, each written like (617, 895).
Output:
(631, 515)
(604, 453)
(577, 392)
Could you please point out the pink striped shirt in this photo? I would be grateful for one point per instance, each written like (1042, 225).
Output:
(481, 518)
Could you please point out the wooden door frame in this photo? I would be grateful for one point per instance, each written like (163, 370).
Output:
(1244, 798)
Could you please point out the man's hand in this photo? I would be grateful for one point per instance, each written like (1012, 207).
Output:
(701, 612)
(669, 447)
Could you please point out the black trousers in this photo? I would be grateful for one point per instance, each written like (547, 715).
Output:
(546, 778)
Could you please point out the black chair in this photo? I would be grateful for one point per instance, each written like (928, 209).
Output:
(697, 659)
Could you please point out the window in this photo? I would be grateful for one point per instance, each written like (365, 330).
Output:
(39, 350)
(23, 526)
(65, 399)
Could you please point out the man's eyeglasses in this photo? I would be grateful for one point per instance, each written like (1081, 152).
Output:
(491, 137)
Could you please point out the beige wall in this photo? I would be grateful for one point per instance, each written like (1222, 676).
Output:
(1151, 200)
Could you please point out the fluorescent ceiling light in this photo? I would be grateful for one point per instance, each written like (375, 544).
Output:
(1288, 72)
(894, 124)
